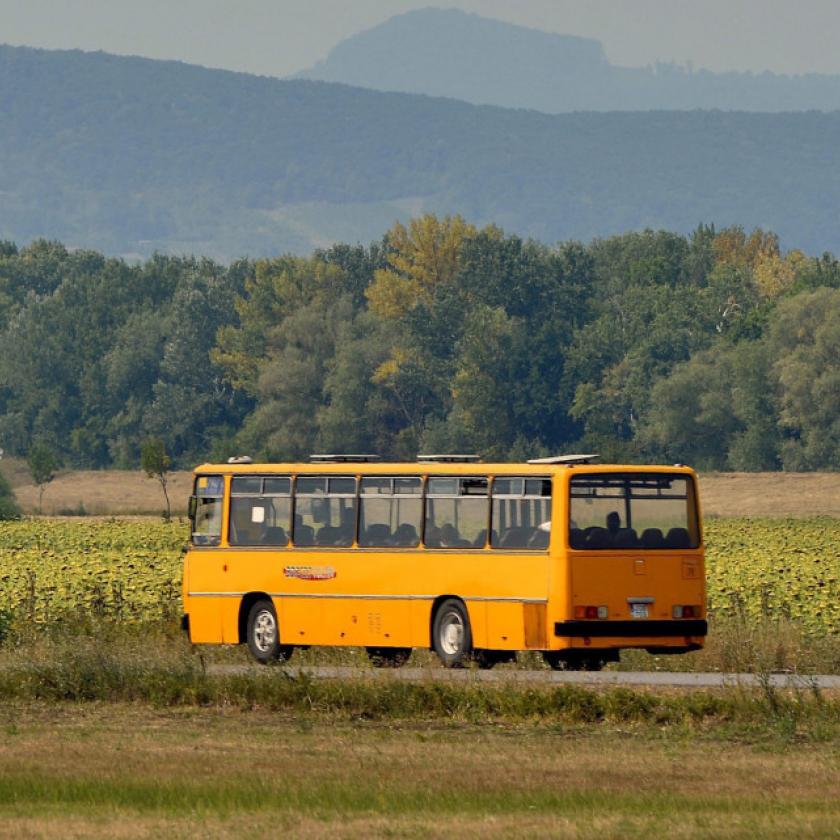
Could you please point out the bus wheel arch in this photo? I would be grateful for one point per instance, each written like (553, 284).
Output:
(450, 631)
(259, 628)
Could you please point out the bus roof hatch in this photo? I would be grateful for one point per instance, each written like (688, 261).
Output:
(566, 459)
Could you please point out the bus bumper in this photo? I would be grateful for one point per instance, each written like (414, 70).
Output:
(631, 629)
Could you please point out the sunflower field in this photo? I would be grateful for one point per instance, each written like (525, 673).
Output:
(122, 569)
(785, 568)
(131, 570)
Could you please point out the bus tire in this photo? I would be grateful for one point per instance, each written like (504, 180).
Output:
(263, 633)
(384, 657)
(451, 634)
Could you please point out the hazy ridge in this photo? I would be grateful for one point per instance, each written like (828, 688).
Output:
(131, 156)
(447, 52)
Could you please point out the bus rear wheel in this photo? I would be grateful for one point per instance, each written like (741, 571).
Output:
(559, 660)
(451, 634)
(263, 634)
(383, 657)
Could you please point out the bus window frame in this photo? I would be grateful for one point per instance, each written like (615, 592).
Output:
(523, 496)
(356, 478)
(456, 496)
(232, 494)
(220, 538)
(392, 495)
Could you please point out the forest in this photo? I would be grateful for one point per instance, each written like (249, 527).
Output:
(717, 349)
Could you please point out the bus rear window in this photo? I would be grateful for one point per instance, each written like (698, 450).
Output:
(632, 510)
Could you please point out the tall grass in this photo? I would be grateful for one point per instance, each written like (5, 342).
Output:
(126, 669)
(737, 644)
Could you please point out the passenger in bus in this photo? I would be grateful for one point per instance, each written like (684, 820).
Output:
(450, 538)
(405, 536)
(377, 534)
(613, 523)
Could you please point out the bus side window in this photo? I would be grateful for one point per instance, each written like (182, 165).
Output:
(456, 512)
(521, 512)
(391, 512)
(260, 510)
(325, 511)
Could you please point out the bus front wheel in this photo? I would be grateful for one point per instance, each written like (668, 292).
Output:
(451, 634)
(264, 634)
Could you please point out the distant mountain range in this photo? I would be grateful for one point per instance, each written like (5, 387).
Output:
(446, 52)
(130, 156)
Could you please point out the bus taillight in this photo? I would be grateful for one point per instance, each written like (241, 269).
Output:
(601, 612)
(686, 611)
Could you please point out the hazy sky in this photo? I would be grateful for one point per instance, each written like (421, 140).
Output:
(278, 37)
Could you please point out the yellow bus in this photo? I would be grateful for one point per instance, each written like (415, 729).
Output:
(477, 561)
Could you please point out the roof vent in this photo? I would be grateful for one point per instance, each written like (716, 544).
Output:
(343, 459)
(448, 459)
(240, 459)
(566, 459)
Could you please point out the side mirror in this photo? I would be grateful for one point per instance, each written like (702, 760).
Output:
(192, 508)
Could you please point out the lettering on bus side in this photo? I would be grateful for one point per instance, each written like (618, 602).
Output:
(310, 572)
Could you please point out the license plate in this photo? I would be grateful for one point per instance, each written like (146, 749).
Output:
(639, 610)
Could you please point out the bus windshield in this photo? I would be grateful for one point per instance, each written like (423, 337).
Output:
(632, 510)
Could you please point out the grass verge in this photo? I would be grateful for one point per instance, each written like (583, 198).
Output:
(132, 771)
(95, 669)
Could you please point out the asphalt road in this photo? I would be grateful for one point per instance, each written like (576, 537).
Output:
(501, 675)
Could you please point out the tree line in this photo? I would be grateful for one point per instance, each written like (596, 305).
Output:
(716, 349)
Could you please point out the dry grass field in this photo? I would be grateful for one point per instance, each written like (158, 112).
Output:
(770, 494)
(97, 492)
(134, 771)
(105, 492)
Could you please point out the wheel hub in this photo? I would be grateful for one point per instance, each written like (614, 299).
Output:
(452, 634)
(265, 631)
